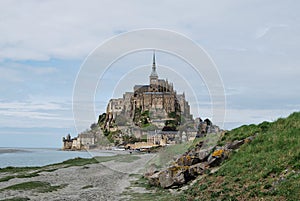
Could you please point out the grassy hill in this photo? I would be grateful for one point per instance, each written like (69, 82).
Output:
(268, 168)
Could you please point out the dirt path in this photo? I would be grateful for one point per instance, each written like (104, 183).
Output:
(103, 181)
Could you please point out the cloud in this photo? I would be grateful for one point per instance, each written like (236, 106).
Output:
(237, 49)
(42, 70)
(50, 30)
(28, 106)
(11, 75)
(19, 72)
(262, 32)
(257, 54)
(31, 115)
(35, 114)
(239, 90)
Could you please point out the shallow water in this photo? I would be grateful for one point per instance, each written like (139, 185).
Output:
(21, 157)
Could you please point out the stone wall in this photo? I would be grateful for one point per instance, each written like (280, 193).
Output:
(82, 142)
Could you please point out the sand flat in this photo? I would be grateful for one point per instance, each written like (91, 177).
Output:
(102, 181)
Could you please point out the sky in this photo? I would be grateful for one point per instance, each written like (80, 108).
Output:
(43, 44)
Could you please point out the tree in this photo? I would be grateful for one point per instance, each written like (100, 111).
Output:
(93, 126)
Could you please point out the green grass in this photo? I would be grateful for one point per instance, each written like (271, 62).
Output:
(153, 193)
(7, 178)
(29, 172)
(157, 196)
(167, 154)
(76, 162)
(52, 167)
(128, 158)
(19, 174)
(125, 158)
(268, 167)
(17, 169)
(37, 186)
(87, 186)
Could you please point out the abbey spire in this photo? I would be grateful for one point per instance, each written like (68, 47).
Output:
(154, 73)
(153, 76)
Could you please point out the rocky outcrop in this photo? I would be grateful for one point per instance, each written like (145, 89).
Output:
(192, 164)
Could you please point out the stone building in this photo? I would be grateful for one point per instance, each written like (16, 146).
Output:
(83, 141)
(158, 98)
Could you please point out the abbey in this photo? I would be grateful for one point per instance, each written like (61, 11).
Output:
(150, 115)
(157, 101)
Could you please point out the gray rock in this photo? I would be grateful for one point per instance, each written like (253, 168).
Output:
(197, 169)
(204, 154)
(179, 178)
(213, 162)
(154, 179)
(235, 144)
(166, 179)
(249, 139)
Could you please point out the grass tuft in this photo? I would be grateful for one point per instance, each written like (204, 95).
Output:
(37, 186)
(87, 186)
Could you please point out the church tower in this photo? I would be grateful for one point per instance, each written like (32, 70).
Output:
(154, 76)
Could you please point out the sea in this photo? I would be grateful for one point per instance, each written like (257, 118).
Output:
(28, 157)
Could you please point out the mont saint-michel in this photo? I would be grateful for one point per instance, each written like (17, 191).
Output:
(151, 115)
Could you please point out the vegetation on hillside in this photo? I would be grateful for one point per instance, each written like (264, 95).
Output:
(267, 168)
(174, 121)
(101, 120)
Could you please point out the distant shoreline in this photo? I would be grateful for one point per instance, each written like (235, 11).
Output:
(23, 157)
(11, 150)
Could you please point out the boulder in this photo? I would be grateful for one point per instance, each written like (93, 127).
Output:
(204, 154)
(151, 170)
(165, 179)
(195, 159)
(196, 170)
(179, 177)
(218, 153)
(249, 139)
(192, 164)
(154, 179)
(173, 176)
(213, 162)
(235, 144)
(185, 160)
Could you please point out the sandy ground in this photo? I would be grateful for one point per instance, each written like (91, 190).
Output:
(105, 181)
